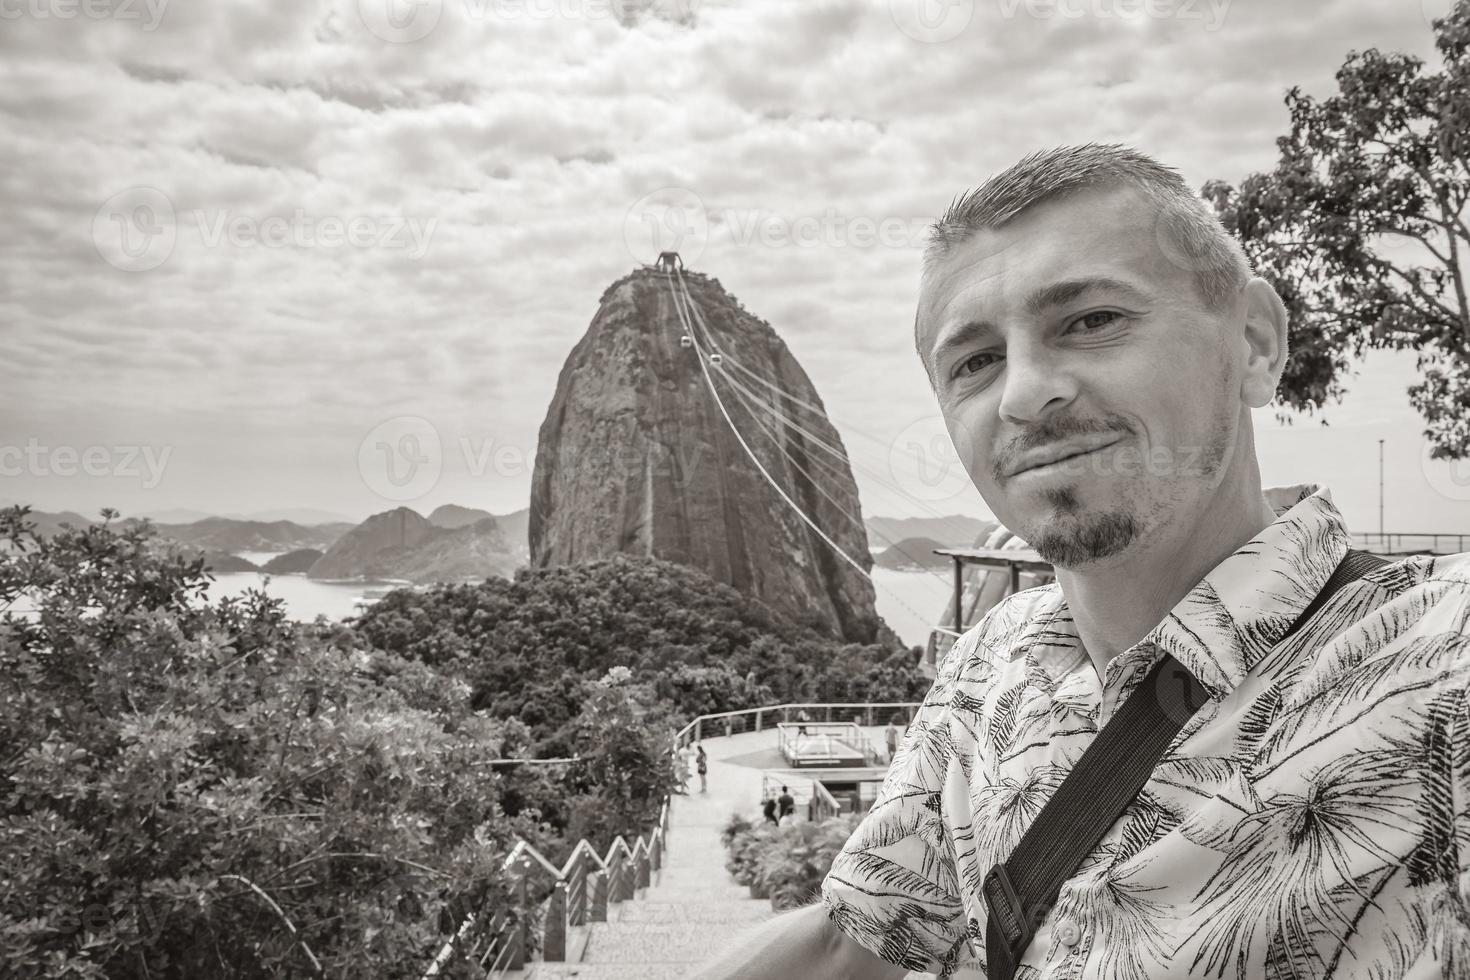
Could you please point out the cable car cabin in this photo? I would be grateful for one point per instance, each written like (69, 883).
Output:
(686, 341)
(716, 360)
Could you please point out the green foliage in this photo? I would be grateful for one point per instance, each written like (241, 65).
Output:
(534, 648)
(180, 781)
(1361, 227)
(787, 863)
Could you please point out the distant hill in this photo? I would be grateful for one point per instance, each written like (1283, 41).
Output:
(217, 562)
(228, 535)
(453, 515)
(178, 515)
(296, 562)
(955, 531)
(912, 553)
(47, 524)
(308, 516)
(517, 530)
(403, 544)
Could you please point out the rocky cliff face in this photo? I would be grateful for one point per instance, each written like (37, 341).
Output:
(635, 456)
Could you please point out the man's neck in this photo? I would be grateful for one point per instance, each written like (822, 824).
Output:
(1116, 605)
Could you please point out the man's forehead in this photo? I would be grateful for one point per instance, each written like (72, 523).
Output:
(1104, 233)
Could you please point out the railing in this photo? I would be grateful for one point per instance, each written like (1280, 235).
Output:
(729, 723)
(822, 804)
(1411, 542)
(827, 735)
(582, 889)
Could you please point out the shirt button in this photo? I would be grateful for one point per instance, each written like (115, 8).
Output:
(1068, 934)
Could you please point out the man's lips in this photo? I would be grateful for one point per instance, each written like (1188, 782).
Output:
(1054, 455)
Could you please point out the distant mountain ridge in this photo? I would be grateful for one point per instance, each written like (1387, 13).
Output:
(403, 544)
(953, 531)
(912, 553)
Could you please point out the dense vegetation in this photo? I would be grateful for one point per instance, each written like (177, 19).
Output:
(530, 648)
(197, 789)
(786, 864)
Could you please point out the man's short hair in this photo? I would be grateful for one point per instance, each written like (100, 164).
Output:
(1188, 228)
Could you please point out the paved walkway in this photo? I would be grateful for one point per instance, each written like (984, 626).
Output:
(693, 909)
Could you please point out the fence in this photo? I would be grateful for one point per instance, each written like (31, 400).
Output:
(586, 885)
(583, 888)
(729, 723)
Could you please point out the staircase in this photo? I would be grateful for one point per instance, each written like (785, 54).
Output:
(692, 909)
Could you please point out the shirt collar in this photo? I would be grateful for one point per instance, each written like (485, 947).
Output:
(1241, 609)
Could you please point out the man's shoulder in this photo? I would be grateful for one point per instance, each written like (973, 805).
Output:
(1005, 626)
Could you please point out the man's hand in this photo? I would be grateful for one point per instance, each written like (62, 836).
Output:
(798, 945)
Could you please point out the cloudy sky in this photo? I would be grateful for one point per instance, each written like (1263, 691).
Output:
(251, 243)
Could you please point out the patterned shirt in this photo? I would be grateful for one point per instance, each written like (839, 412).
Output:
(1312, 819)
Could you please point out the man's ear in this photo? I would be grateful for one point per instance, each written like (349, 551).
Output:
(1265, 343)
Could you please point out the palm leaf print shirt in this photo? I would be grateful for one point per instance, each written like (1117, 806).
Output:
(1311, 820)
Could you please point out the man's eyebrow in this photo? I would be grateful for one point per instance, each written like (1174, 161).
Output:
(1052, 294)
(1067, 290)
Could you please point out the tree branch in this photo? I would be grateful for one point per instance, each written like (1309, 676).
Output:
(316, 966)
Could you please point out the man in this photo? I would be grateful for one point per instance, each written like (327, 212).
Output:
(1096, 343)
(787, 804)
(890, 736)
(768, 809)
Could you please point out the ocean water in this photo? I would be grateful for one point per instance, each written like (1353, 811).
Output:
(911, 603)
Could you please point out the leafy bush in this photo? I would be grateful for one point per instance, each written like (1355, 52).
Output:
(532, 649)
(788, 863)
(190, 790)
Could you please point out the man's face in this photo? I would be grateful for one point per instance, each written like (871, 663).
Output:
(1071, 329)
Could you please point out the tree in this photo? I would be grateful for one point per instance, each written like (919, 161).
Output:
(1361, 228)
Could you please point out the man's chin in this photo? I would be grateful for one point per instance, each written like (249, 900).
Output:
(1074, 542)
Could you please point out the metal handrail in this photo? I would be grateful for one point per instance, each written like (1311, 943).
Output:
(649, 846)
(682, 739)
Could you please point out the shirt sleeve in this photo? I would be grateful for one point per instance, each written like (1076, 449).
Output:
(894, 888)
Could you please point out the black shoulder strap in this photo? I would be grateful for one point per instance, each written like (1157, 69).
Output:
(1111, 773)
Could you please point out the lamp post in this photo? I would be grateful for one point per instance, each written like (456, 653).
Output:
(1380, 494)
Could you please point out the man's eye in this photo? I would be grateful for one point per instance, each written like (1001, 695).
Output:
(970, 362)
(1098, 318)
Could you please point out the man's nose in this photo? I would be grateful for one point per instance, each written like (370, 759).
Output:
(1037, 383)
